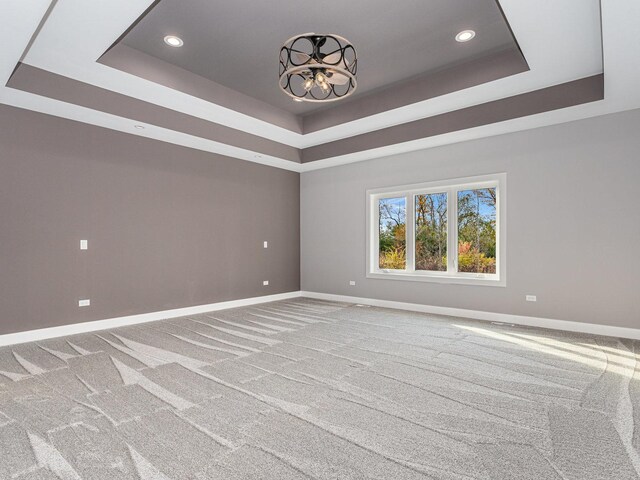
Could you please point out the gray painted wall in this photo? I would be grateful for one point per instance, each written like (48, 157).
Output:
(573, 222)
(168, 226)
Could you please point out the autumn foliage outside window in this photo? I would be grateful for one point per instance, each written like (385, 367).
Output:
(418, 231)
(393, 239)
(477, 230)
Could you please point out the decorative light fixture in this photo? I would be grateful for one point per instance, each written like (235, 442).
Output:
(173, 41)
(318, 68)
(465, 36)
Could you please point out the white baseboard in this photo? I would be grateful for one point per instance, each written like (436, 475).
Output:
(565, 325)
(64, 330)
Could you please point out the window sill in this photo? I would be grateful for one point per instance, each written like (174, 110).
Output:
(446, 279)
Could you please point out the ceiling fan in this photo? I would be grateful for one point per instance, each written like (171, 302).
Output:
(318, 68)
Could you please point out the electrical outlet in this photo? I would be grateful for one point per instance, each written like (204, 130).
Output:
(84, 244)
(266, 244)
(265, 282)
(352, 282)
(84, 303)
(531, 298)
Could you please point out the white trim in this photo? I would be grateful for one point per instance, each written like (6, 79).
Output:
(50, 106)
(546, 119)
(438, 277)
(65, 45)
(550, 323)
(64, 330)
(540, 322)
(451, 187)
(560, 40)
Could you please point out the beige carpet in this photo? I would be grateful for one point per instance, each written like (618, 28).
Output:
(305, 389)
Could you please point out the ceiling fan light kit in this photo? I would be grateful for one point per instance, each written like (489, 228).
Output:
(318, 68)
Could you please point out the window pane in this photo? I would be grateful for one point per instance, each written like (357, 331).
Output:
(477, 230)
(393, 243)
(431, 232)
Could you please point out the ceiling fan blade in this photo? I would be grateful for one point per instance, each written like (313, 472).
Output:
(332, 59)
(337, 79)
(300, 58)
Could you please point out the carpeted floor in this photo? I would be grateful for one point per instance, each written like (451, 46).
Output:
(306, 389)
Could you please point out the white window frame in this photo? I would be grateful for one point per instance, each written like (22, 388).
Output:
(451, 187)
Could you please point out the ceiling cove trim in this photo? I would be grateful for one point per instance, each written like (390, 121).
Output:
(74, 37)
(491, 67)
(56, 108)
(560, 45)
(46, 84)
(547, 119)
(622, 75)
(129, 60)
(621, 78)
(569, 94)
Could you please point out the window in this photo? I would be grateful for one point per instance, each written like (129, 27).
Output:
(447, 231)
(392, 219)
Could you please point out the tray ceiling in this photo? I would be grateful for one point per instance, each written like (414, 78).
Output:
(236, 44)
(582, 60)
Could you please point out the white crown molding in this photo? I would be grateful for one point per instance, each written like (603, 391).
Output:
(546, 119)
(74, 37)
(621, 56)
(97, 325)
(56, 108)
(550, 323)
(560, 41)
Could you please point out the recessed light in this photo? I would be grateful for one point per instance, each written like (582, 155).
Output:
(139, 127)
(465, 36)
(173, 41)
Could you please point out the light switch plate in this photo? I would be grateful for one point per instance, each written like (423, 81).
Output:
(531, 298)
(84, 244)
(84, 303)
(266, 244)
(266, 282)
(352, 282)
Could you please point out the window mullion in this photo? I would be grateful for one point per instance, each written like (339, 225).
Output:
(375, 230)
(410, 233)
(480, 263)
(452, 231)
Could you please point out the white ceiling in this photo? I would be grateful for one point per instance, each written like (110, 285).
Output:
(560, 40)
